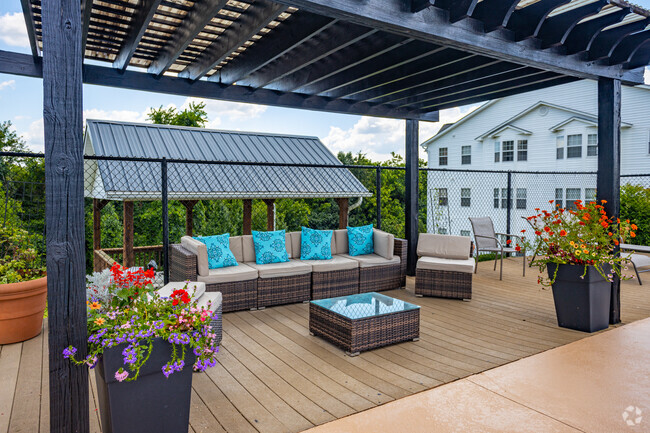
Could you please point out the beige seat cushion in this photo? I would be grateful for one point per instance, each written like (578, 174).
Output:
(285, 269)
(296, 240)
(440, 264)
(371, 260)
(201, 252)
(230, 274)
(384, 243)
(194, 289)
(336, 263)
(444, 246)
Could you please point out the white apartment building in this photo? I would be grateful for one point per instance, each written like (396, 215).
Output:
(549, 130)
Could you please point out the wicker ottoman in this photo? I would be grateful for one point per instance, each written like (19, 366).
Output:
(213, 301)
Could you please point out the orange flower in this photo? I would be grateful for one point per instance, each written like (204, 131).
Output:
(604, 224)
(610, 234)
(547, 229)
(95, 306)
(603, 201)
(633, 227)
(632, 234)
(562, 232)
(99, 321)
(586, 217)
(615, 242)
(550, 201)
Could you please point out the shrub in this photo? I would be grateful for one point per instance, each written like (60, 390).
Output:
(635, 206)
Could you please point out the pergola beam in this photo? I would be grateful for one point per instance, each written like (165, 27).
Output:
(494, 13)
(605, 43)
(31, 29)
(258, 15)
(526, 22)
(628, 46)
(584, 34)
(555, 29)
(143, 16)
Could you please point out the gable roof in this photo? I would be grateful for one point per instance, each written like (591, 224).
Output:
(140, 180)
(513, 127)
(591, 121)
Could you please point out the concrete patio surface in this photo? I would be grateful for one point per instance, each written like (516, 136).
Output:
(597, 384)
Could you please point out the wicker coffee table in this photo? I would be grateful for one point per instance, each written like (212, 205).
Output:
(364, 321)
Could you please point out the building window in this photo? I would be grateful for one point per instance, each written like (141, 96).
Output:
(572, 194)
(466, 155)
(559, 144)
(592, 145)
(504, 198)
(508, 151)
(465, 194)
(497, 151)
(558, 196)
(590, 194)
(521, 198)
(496, 198)
(442, 231)
(465, 233)
(442, 156)
(522, 150)
(443, 197)
(574, 146)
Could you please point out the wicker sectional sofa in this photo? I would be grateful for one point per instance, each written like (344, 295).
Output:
(251, 286)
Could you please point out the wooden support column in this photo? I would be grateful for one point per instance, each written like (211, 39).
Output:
(248, 216)
(64, 213)
(344, 203)
(98, 205)
(189, 216)
(411, 201)
(608, 183)
(270, 214)
(128, 258)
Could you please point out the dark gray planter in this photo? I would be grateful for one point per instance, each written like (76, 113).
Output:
(580, 304)
(152, 403)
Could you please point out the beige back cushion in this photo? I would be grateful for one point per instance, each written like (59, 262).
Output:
(288, 244)
(237, 248)
(295, 244)
(248, 247)
(444, 246)
(201, 252)
(384, 243)
(341, 241)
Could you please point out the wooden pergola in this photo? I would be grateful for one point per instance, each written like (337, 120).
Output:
(403, 59)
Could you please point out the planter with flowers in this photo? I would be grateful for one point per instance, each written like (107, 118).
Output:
(23, 287)
(144, 348)
(577, 249)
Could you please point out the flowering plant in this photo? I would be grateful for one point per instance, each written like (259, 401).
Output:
(119, 286)
(176, 319)
(586, 236)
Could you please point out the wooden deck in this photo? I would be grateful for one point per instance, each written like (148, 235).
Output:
(273, 377)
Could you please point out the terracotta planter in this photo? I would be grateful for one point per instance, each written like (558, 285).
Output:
(21, 310)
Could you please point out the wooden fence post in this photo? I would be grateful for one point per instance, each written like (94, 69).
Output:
(248, 216)
(270, 214)
(343, 211)
(189, 216)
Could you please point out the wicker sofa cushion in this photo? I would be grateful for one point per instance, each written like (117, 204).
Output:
(384, 243)
(230, 274)
(440, 264)
(211, 300)
(372, 260)
(201, 252)
(248, 247)
(284, 269)
(336, 263)
(194, 289)
(296, 238)
(237, 248)
(444, 246)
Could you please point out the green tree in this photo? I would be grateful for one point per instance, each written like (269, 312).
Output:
(635, 206)
(194, 115)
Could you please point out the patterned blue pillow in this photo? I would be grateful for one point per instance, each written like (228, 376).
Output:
(270, 247)
(315, 244)
(360, 240)
(219, 254)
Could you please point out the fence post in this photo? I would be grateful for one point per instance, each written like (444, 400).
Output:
(509, 202)
(378, 192)
(165, 219)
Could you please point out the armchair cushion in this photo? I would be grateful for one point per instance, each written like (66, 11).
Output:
(384, 243)
(372, 260)
(336, 263)
(281, 269)
(230, 274)
(219, 254)
(315, 244)
(201, 252)
(444, 246)
(442, 264)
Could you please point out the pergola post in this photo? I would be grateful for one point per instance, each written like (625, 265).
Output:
(343, 203)
(608, 183)
(98, 205)
(248, 216)
(189, 216)
(64, 213)
(128, 258)
(411, 199)
(270, 214)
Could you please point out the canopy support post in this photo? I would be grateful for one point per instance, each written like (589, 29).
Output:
(270, 214)
(248, 216)
(128, 257)
(189, 216)
(344, 203)
(412, 185)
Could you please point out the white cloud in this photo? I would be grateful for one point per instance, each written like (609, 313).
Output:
(34, 136)
(218, 111)
(378, 137)
(119, 115)
(7, 84)
(13, 31)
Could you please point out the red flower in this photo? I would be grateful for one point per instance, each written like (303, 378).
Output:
(547, 229)
(582, 223)
(550, 201)
(562, 232)
(517, 248)
(508, 242)
(538, 233)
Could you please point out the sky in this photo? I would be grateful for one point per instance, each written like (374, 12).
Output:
(21, 101)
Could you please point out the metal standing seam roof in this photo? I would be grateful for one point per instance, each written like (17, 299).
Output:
(141, 180)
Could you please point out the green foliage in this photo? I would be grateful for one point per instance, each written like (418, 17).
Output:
(18, 257)
(195, 115)
(635, 206)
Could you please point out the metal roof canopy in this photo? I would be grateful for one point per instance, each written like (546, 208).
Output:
(140, 180)
(390, 58)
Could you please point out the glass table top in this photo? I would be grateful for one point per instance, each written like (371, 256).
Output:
(364, 305)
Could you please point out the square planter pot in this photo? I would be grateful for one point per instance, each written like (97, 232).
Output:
(580, 304)
(152, 403)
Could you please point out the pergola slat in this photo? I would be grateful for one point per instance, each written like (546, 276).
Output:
(628, 46)
(141, 20)
(555, 29)
(202, 14)
(86, 12)
(459, 9)
(603, 45)
(527, 21)
(641, 58)
(494, 14)
(31, 28)
(257, 16)
(583, 34)
(417, 5)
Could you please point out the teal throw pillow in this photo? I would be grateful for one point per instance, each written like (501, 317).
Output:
(360, 240)
(219, 254)
(270, 247)
(315, 244)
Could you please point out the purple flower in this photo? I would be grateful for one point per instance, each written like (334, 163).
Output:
(167, 370)
(159, 324)
(69, 351)
(121, 374)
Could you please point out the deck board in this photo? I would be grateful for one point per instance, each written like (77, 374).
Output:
(272, 376)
